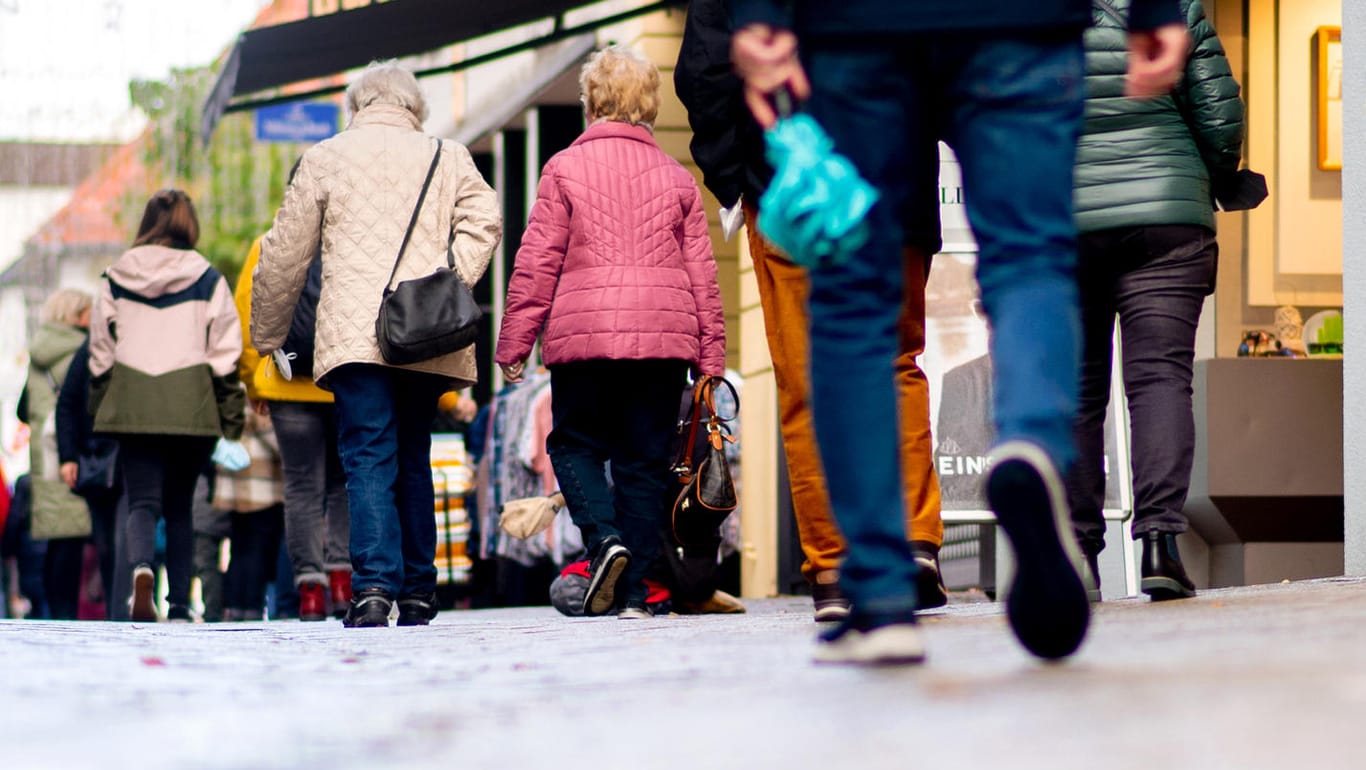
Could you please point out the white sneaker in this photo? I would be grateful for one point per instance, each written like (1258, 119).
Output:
(892, 644)
(142, 605)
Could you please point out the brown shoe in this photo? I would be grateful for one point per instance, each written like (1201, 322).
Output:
(719, 603)
(828, 600)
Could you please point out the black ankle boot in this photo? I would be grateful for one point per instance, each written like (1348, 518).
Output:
(1163, 576)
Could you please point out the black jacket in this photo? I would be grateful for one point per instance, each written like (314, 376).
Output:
(74, 422)
(864, 17)
(727, 144)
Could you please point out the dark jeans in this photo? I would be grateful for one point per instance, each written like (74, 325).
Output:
(1011, 110)
(255, 545)
(623, 413)
(384, 421)
(1155, 280)
(159, 475)
(317, 518)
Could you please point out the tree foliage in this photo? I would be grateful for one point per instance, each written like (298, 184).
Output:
(236, 183)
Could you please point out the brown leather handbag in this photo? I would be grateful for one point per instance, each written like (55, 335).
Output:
(707, 495)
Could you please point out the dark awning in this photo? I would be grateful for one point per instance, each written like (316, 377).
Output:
(270, 57)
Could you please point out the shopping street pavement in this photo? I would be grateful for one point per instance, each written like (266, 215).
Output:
(1248, 678)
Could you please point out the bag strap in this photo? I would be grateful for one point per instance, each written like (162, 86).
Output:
(431, 171)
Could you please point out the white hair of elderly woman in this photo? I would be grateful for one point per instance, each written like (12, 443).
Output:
(386, 82)
(66, 306)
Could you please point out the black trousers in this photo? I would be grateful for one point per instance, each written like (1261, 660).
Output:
(159, 475)
(623, 413)
(1154, 280)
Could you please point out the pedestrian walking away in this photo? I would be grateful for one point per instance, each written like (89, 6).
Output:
(986, 77)
(615, 274)
(358, 195)
(164, 342)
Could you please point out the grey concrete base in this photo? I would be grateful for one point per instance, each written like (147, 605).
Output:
(1257, 678)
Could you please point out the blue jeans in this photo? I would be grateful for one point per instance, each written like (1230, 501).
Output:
(1155, 280)
(384, 424)
(1011, 110)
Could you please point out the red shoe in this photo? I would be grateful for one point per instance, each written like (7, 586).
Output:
(341, 590)
(312, 602)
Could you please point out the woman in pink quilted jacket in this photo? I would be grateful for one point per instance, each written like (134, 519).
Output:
(615, 275)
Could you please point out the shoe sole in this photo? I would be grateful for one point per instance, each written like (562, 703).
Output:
(1047, 605)
(602, 588)
(635, 615)
(831, 614)
(1162, 589)
(143, 609)
(888, 646)
(929, 585)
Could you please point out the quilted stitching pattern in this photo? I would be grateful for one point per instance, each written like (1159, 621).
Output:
(357, 191)
(616, 261)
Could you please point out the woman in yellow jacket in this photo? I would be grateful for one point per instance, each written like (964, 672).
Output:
(317, 520)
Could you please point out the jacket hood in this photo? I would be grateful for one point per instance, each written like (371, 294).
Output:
(53, 342)
(154, 271)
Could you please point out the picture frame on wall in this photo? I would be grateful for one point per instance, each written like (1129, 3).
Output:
(1328, 96)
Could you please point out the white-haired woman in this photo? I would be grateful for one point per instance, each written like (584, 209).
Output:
(64, 319)
(357, 192)
(616, 270)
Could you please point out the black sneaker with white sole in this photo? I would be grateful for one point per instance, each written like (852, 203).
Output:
(863, 640)
(1047, 604)
(603, 575)
(416, 609)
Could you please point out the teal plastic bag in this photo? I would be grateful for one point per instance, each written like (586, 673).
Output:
(815, 206)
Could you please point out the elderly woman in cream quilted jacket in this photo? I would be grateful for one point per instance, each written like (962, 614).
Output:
(356, 192)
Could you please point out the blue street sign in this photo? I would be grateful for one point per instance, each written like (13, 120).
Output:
(296, 122)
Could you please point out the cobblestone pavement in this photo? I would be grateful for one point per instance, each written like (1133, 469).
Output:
(1246, 678)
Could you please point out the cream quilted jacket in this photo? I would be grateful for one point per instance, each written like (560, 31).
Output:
(357, 191)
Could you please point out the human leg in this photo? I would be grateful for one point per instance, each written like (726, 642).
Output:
(368, 441)
(855, 309)
(646, 399)
(924, 522)
(1100, 255)
(184, 459)
(1006, 94)
(1159, 309)
(415, 407)
(302, 441)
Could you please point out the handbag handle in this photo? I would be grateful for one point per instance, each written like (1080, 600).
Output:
(450, 258)
(703, 396)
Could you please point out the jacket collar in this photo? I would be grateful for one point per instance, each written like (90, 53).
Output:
(386, 115)
(616, 129)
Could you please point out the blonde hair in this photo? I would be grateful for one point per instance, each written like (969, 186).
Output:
(66, 306)
(619, 84)
(385, 82)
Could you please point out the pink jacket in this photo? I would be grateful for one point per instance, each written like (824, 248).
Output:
(616, 260)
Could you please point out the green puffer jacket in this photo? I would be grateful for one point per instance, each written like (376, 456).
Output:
(1149, 161)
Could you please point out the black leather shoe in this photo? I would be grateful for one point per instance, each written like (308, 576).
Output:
(929, 584)
(416, 610)
(369, 609)
(1163, 576)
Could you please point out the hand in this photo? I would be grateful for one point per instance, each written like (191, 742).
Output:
(513, 372)
(68, 474)
(766, 59)
(262, 408)
(1156, 60)
(466, 409)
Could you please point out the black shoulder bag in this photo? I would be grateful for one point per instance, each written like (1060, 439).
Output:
(707, 492)
(427, 317)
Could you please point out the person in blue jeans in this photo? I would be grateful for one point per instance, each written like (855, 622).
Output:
(1002, 84)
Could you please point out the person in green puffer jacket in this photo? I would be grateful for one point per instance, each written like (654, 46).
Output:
(58, 515)
(1144, 193)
